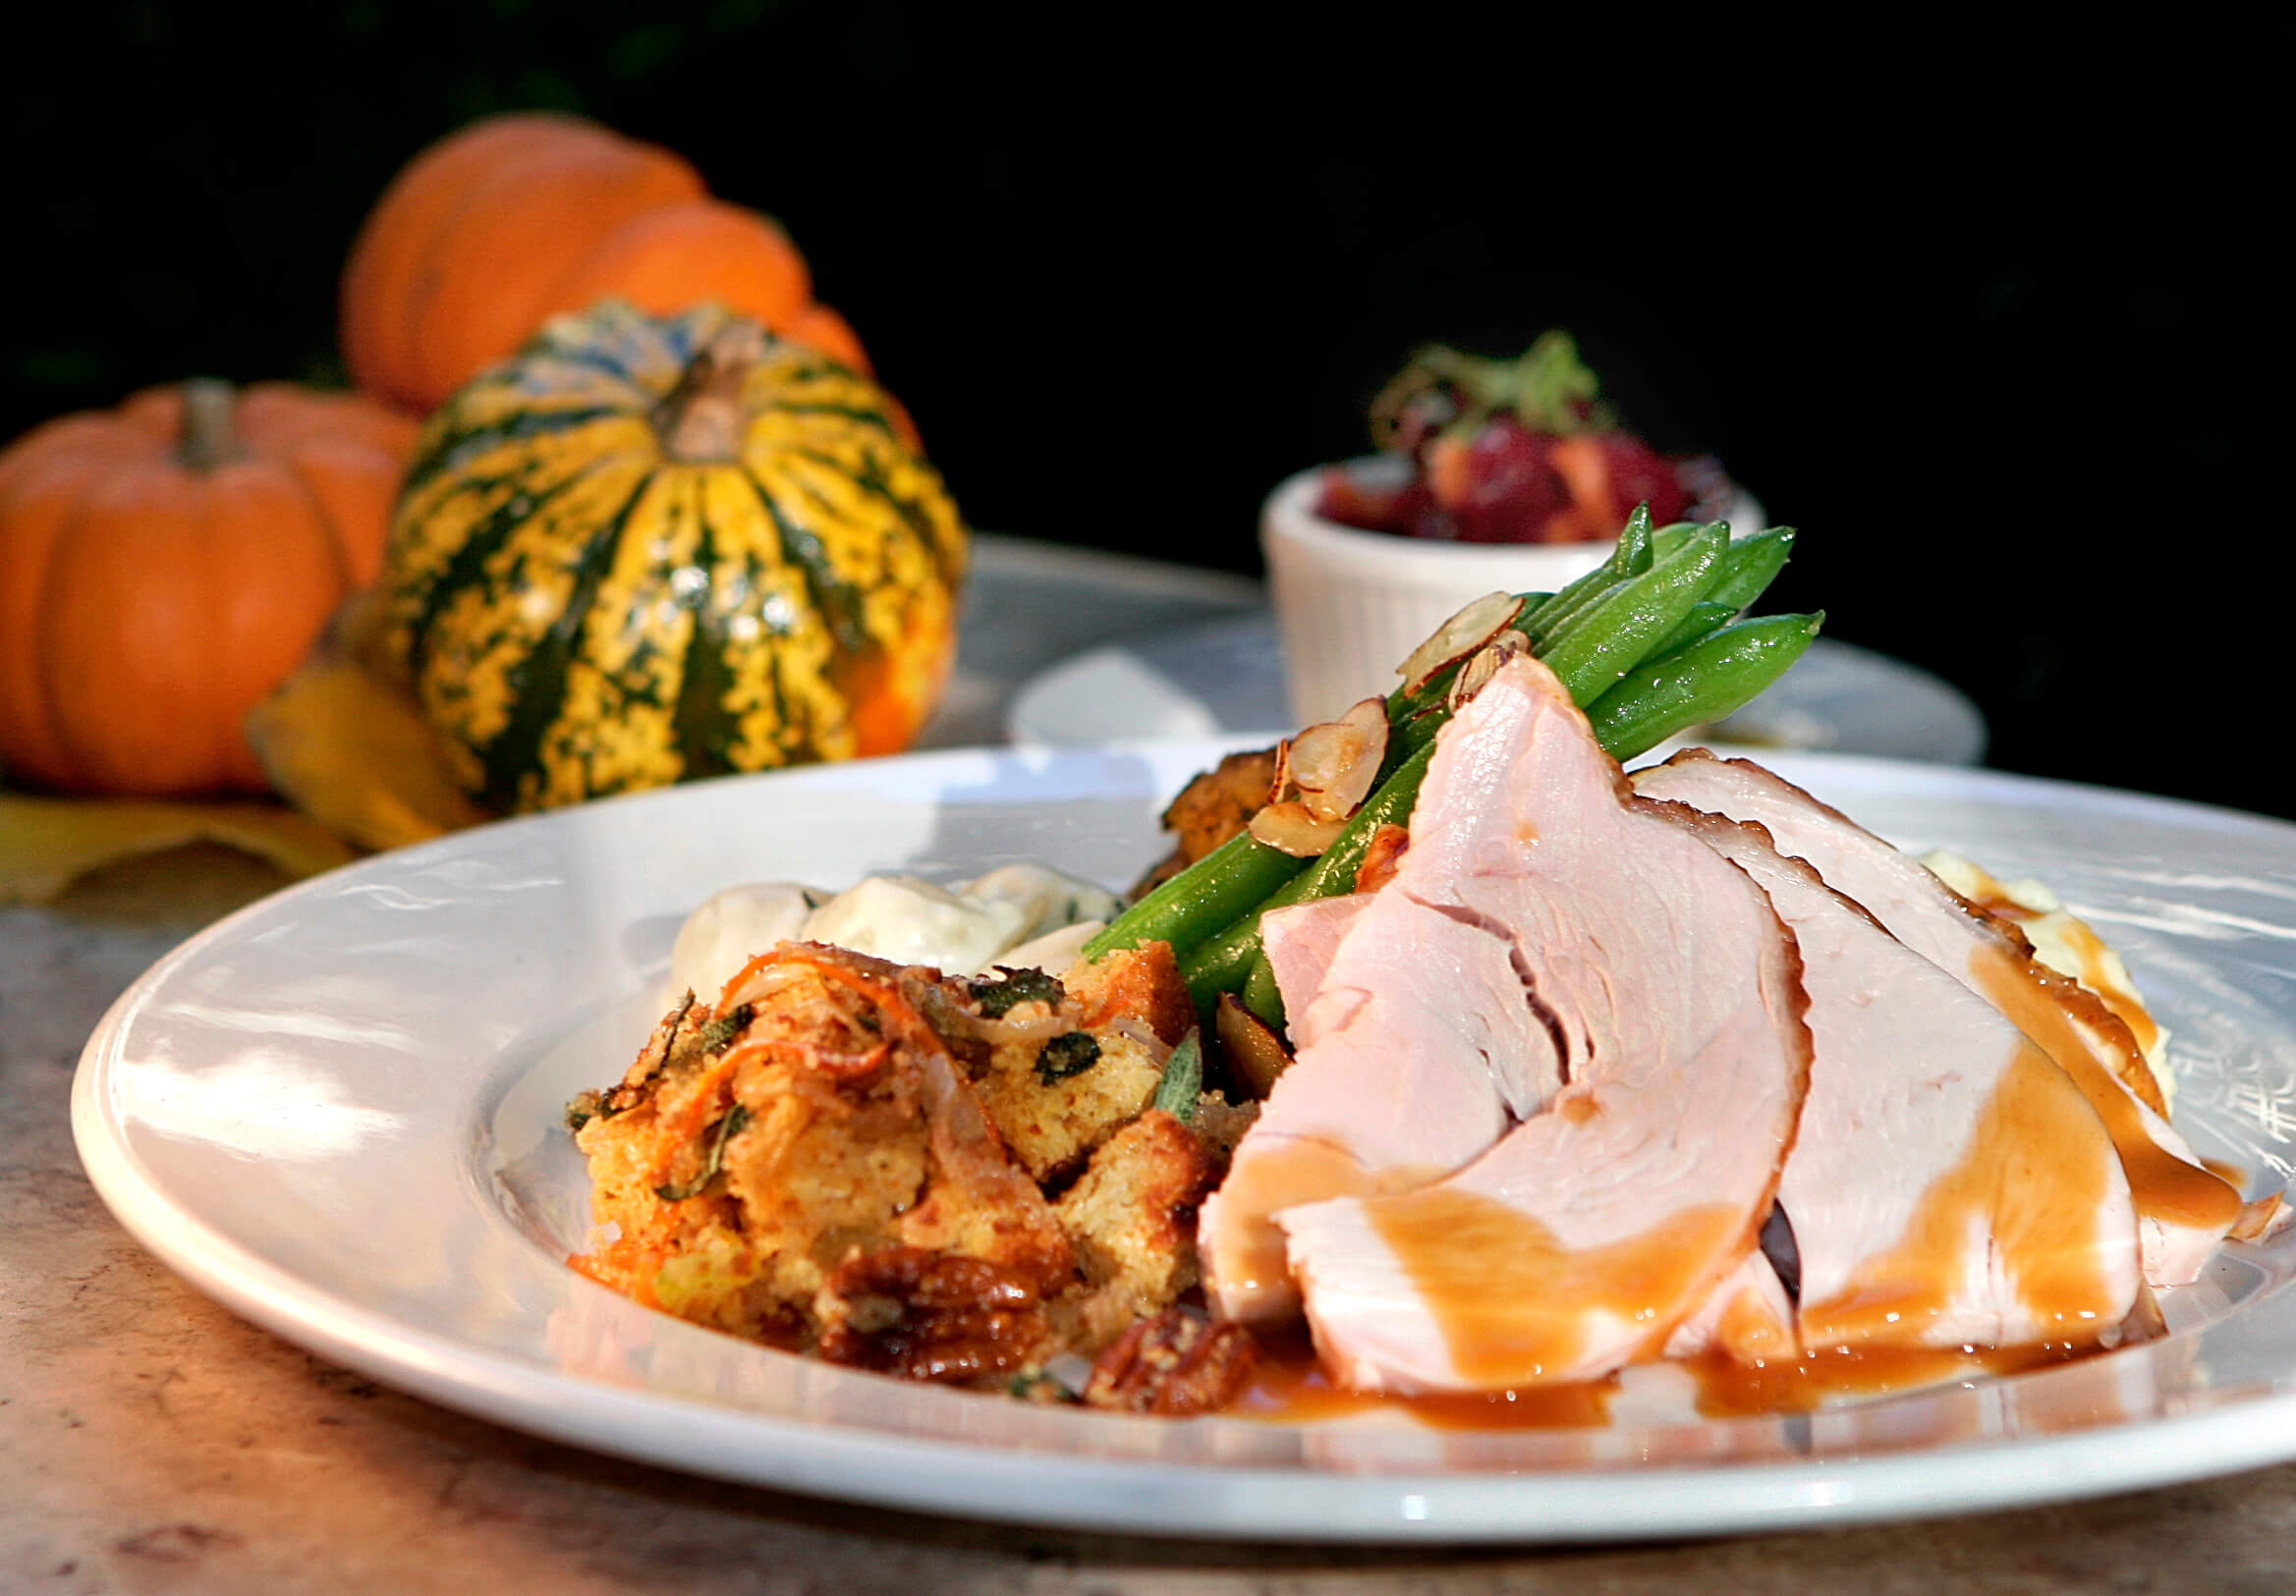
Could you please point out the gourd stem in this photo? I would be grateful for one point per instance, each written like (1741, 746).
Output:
(207, 439)
(700, 418)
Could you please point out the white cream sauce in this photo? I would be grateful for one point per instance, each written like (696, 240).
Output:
(1020, 915)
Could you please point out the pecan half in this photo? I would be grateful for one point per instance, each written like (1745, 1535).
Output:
(930, 1316)
(1174, 1364)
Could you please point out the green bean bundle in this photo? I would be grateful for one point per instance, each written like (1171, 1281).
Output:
(1647, 643)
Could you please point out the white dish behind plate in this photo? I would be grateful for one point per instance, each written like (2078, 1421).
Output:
(338, 1113)
(1351, 603)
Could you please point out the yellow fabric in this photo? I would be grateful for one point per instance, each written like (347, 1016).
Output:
(48, 842)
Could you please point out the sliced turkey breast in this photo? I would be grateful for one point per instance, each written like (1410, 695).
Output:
(1413, 1049)
(2184, 1210)
(1301, 941)
(1949, 1184)
(1747, 1318)
(1670, 989)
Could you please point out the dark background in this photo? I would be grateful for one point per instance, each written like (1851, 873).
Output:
(1994, 314)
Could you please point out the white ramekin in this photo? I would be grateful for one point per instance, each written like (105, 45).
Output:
(1350, 604)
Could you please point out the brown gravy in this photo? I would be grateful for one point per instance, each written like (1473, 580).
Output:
(1292, 1388)
(2224, 1169)
(2095, 973)
(2165, 1186)
(2029, 1189)
(1285, 1176)
(1513, 1304)
(1732, 1390)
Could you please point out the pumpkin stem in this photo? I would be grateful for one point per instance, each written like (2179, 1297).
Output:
(207, 439)
(700, 418)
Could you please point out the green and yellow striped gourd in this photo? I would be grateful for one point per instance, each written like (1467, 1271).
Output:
(649, 549)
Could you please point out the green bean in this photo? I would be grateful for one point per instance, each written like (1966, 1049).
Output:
(1635, 553)
(1261, 993)
(1640, 641)
(1749, 565)
(1575, 595)
(1224, 963)
(1667, 538)
(1559, 622)
(1720, 673)
(1409, 736)
(1614, 636)
(1200, 899)
(1703, 617)
(1183, 1079)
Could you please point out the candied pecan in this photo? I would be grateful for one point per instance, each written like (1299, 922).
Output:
(1174, 1364)
(931, 1316)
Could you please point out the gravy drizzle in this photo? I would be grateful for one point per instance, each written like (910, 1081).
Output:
(1286, 1175)
(2165, 1186)
(1291, 1386)
(1728, 1388)
(2027, 1191)
(1513, 1302)
(2096, 972)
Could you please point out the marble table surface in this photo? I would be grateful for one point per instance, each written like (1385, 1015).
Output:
(151, 1442)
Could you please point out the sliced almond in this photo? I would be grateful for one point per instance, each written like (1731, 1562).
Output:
(1335, 764)
(1476, 625)
(1290, 828)
(1486, 665)
(1279, 780)
(1255, 1055)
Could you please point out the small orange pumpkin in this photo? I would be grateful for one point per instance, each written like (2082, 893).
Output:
(163, 566)
(523, 216)
(820, 327)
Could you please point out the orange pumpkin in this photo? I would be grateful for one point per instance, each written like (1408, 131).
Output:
(820, 327)
(520, 217)
(163, 566)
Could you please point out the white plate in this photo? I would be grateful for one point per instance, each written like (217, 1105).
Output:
(338, 1112)
(1227, 676)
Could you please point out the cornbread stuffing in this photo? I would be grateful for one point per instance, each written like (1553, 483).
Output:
(939, 1178)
